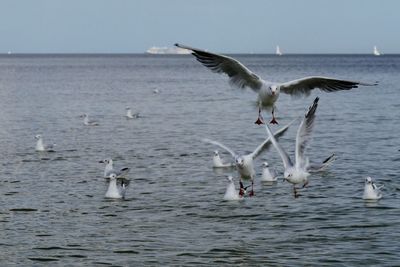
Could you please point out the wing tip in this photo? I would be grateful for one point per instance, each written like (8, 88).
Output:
(313, 108)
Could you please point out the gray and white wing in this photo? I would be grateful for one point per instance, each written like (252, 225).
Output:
(123, 172)
(317, 167)
(304, 86)
(234, 155)
(304, 133)
(239, 75)
(267, 143)
(285, 157)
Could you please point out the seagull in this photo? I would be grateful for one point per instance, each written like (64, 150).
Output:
(231, 193)
(156, 91)
(109, 169)
(218, 163)
(268, 92)
(244, 163)
(298, 173)
(41, 147)
(88, 122)
(371, 191)
(267, 175)
(114, 190)
(130, 115)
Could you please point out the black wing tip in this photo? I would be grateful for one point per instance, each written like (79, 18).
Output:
(329, 158)
(313, 108)
(177, 44)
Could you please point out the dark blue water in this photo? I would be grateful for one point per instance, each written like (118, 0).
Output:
(52, 206)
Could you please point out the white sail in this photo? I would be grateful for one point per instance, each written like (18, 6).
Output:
(278, 51)
(376, 52)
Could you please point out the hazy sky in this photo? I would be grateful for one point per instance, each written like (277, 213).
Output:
(229, 26)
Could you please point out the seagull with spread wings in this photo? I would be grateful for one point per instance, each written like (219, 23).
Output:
(244, 163)
(268, 92)
(298, 172)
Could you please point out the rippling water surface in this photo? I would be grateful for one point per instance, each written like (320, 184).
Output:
(52, 206)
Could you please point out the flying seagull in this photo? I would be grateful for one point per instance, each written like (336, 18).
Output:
(268, 92)
(298, 172)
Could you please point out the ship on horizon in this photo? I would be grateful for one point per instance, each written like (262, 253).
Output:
(167, 50)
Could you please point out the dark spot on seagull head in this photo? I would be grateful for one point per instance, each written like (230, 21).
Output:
(240, 162)
(216, 153)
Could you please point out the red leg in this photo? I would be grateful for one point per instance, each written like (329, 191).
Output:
(273, 121)
(252, 190)
(260, 119)
(241, 190)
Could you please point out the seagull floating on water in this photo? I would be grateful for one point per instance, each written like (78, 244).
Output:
(109, 169)
(268, 92)
(371, 191)
(130, 115)
(298, 173)
(41, 147)
(231, 193)
(114, 190)
(88, 122)
(267, 175)
(218, 163)
(244, 163)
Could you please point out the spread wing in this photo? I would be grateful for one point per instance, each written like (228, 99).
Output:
(285, 158)
(304, 133)
(266, 144)
(304, 86)
(239, 75)
(220, 145)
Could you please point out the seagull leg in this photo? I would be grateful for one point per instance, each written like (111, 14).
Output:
(296, 195)
(273, 121)
(305, 184)
(260, 119)
(241, 190)
(252, 191)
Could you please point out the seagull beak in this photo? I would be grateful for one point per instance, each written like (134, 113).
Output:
(101, 161)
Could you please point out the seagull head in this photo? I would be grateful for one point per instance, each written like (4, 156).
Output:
(113, 176)
(368, 180)
(230, 178)
(38, 136)
(216, 153)
(287, 174)
(106, 161)
(239, 162)
(127, 108)
(274, 90)
(84, 115)
(265, 164)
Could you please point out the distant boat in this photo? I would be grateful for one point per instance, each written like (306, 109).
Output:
(376, 52)
(167, 51)
(278, 51)
(9, 53)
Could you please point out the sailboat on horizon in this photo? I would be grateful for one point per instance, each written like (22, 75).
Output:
(278, 51)
(376, 52)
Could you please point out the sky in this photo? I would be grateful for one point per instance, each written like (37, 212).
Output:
(225, 26)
